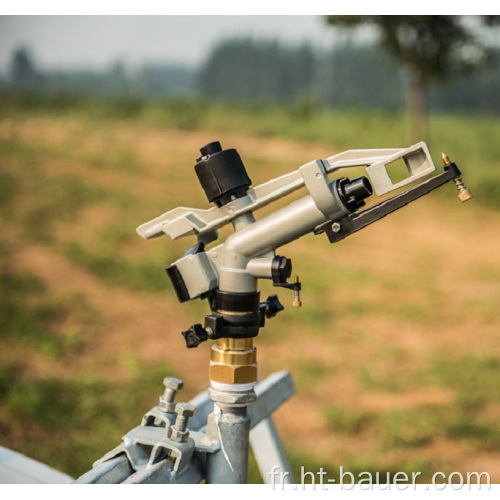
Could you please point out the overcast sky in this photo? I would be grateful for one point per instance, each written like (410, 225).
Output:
(75, 41)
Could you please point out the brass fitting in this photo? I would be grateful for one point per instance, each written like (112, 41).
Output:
(296, 293)
(233, 361)
(446, 159)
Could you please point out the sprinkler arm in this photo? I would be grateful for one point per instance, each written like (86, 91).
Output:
(227, 274)
(184, 221)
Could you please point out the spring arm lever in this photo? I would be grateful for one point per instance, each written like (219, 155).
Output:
(340, 229)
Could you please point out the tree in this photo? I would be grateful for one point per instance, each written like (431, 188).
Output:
(264, 71)
(22, 69)
(430, 49)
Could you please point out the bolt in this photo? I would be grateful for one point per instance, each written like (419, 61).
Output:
(167, 401)
(184, 411)
(336, 227)
(172, 385)
(179, 432)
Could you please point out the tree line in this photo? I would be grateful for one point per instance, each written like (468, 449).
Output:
(247, 70)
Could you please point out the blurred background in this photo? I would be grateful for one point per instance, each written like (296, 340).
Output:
(395, 352)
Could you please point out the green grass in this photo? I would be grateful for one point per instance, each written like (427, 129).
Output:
(471, 141)
(473, 378)
(411, 428)
(21, 318)
(34, 316)
(348, 422)
(9, 188)
(374, 375)
(116, 271)
(473, 381)
(36, 200)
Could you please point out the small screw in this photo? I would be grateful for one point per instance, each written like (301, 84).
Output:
(296, 293)
(336, 227)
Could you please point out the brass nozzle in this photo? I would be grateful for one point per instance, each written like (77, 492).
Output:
(464, 193)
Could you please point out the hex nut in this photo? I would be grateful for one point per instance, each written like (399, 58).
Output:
(233, 374)
(164, 406)
(176, 435)
(231, 398)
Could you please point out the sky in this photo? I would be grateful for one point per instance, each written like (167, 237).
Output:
(71, 41)
(74, 41)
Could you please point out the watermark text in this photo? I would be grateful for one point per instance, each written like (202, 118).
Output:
(347, 480)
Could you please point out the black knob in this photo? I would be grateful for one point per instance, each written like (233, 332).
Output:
(281, 269)
(195, 335)
(273, 306)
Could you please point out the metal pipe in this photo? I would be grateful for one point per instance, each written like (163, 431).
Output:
(230, 464)
(275, 230)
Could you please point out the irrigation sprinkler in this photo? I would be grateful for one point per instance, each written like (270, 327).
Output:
(208, 438)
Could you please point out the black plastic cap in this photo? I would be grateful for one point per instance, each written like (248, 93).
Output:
(221, 173)
(210, 149)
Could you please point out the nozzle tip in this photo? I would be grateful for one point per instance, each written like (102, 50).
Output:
(446, 158)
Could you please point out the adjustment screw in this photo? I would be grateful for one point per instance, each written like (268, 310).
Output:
(296, 293)
(464, 193)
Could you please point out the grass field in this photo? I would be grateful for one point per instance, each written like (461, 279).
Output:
(395, 352)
